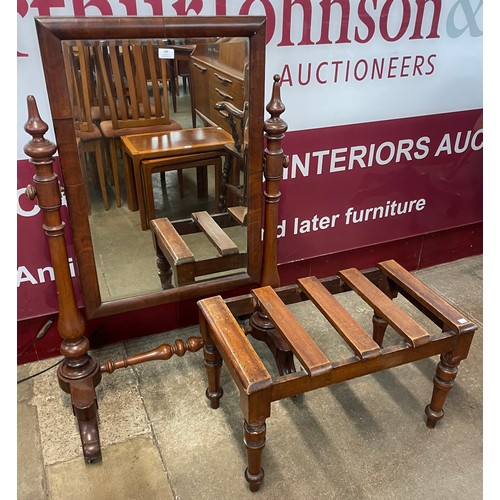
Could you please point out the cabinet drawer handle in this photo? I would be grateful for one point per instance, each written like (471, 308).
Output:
(223, 79)
(224, 95)
(201, 68)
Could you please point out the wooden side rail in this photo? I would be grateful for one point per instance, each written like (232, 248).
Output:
(412, 288)
(170, 242)
(249, 371)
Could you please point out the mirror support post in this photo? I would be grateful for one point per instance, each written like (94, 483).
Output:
(78, 374)
(274, 162)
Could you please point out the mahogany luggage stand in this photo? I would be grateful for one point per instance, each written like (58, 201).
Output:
(271, 321)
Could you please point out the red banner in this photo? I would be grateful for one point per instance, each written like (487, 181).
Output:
(357, 185)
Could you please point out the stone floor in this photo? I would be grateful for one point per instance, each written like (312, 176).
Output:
(362, 439)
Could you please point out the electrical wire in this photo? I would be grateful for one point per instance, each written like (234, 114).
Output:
(39, 373)
(40, 334)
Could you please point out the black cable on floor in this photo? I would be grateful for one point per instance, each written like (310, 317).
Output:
(38, 337)
(39, 373)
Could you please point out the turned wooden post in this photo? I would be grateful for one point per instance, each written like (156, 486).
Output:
(274, 162)
(78, 374)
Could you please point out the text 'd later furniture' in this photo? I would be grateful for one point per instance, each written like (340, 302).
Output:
(178, 148)
(300, 365)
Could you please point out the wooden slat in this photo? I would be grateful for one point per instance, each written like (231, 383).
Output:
(385, 307)
(239, 214)
(309, 354)
(240, 356)
(357, 338)
(426, 297)
(224, 244)
(171, 242)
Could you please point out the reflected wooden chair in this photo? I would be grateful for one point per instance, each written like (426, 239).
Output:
(81, 77)
(145, 154)
(425, 326)
(233, 194)
(137, 96)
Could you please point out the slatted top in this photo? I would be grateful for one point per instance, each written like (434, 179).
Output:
(427, 297)
(357, 338)
(385, 307)
(224, 244)
(309, 354)
(170, 241)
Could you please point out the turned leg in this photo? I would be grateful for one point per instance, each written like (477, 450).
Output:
(225, 180)
(443, 382)
(379, 328)
(164, 270)
(255, 440)
(213, 365)
(79, 374)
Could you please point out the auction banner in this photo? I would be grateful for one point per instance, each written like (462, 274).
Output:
(384, 111)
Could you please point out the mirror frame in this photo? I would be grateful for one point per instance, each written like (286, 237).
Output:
(52, 31)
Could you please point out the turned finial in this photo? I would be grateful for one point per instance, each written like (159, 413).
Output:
(38, 148)
(274, 161)
(275, 108)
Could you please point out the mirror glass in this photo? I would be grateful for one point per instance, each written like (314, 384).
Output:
(159, 127)
(193, 80)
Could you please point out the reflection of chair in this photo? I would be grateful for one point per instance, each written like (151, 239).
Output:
(137, 96)
(423, 327)
(233, 195)
(81, 73)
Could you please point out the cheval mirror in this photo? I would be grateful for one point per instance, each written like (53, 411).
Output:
(228, 50)
(136, 208)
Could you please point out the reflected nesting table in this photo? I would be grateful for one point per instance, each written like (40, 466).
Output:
(145, 154)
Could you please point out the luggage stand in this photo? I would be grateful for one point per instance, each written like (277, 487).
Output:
(224, 339)
(176, 261)
(271, 321)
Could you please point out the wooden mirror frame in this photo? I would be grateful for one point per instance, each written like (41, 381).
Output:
(52, 31)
